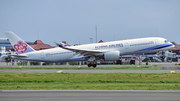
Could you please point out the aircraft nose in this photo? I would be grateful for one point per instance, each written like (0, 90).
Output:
(172, 45)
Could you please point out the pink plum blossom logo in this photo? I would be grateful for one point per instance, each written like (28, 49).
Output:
(20, 47)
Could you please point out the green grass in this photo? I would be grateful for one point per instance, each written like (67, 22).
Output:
(87, 68)
(89, 81)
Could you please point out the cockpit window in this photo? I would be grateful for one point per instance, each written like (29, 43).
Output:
(166, 41)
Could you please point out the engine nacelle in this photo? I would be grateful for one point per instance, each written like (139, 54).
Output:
(112, 56)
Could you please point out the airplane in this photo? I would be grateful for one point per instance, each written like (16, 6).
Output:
(108, 51)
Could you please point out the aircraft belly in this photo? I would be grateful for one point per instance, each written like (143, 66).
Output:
(64, 57)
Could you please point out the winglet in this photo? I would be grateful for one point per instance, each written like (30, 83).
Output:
(60, 45)
(64, 45)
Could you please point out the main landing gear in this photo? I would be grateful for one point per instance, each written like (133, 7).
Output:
(92, 64)
(92, 61)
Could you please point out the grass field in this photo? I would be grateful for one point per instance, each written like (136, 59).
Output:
(87, 68)
(89, 81)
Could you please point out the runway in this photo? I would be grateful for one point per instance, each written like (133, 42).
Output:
(89, 71)
(88, 95)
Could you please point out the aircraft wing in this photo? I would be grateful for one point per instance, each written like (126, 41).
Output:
(84, 52)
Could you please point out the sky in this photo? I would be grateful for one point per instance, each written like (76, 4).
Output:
(75, 21)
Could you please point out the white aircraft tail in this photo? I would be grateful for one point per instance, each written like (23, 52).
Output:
(18, 44)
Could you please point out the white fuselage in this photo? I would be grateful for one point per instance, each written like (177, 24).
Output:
(125, 47)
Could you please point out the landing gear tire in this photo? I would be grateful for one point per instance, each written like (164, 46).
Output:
(89, 65)
(94, 65)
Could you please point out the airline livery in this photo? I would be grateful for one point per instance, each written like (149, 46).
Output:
(108, 51)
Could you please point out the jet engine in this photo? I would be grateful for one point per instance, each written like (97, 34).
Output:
(111, 56)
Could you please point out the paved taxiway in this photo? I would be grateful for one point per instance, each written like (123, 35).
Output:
(88, 95)
(89, 71)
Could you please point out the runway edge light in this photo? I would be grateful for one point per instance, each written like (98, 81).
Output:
(172, 71)
(60, 71)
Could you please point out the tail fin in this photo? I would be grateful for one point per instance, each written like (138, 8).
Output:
(18, 44)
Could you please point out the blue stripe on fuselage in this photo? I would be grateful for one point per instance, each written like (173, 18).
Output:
(155, 47)
(149, 49)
